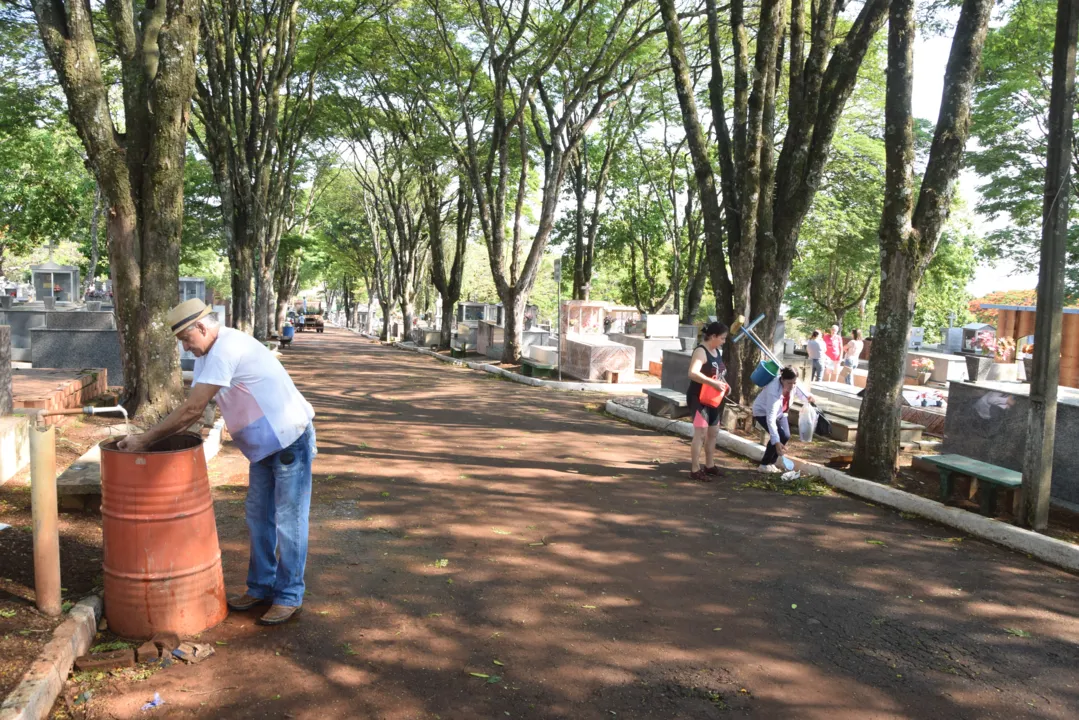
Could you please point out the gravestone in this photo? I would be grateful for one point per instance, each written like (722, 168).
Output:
(676, 369)
(6, 400)
(79, 348)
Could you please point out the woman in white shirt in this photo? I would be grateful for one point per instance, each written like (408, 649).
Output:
(851, 353)
(770, 413)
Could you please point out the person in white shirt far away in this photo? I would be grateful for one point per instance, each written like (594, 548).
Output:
(851, 353)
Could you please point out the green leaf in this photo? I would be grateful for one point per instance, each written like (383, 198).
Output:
(1017, 632)
(480, 675)
(875, 542)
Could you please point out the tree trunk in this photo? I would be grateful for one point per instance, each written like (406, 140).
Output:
(91, 273)
(264, 298)
(513, 304)
(242, 265)
(140, 172)
(909, 239)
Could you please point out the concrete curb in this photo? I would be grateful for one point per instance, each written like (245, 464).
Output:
(1050, 550)
(619, 389)
(33, 698)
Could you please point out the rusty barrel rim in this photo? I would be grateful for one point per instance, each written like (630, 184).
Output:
(186, 440)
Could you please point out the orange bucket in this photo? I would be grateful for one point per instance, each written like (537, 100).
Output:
(162, 560)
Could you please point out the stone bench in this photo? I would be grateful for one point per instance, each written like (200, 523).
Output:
(990, 479)
(534, 368)
(844, 420)
(666, 402)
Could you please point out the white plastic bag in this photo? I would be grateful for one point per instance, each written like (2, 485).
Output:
(807, 422)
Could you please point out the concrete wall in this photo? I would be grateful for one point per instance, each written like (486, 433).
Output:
(14, 445)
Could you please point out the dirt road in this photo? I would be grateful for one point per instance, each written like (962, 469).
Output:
(482, 549)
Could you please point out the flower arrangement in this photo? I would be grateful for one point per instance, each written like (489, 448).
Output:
(984, 342)
(1005, 350)
(922, 365)
(1028, 349)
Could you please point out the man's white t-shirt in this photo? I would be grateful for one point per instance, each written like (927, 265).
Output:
(815, 348)
(263, 410)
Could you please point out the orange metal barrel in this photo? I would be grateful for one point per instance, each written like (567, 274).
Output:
(162, 559)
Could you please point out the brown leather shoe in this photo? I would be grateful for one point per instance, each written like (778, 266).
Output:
(278, 614)
(245, 602)
(713, 471)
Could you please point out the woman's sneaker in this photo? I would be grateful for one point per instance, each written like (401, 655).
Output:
(699, 475)
(713, 471)
(770, 469)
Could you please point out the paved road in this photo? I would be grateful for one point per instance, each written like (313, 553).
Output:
(460, 520)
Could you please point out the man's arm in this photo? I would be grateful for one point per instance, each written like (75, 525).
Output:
(177, 421)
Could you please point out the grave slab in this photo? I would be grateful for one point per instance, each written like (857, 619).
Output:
(51, 348)
(676, 369)
(649, 349)
(987, 421)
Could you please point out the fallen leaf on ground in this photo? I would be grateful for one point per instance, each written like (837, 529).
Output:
(498, 663)
(875, 542)
(480, 675)
(1017, 632)
(589, 607)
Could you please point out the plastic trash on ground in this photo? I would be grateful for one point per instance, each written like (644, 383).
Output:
(787, 463)
(156, 702)
(790, 476)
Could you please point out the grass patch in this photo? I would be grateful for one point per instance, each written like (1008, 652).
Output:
(803, 486)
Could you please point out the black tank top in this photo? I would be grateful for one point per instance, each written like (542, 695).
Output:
(713, 367)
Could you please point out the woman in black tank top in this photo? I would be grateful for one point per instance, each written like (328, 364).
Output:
(705, 367)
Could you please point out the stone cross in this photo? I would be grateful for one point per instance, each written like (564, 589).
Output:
(6, 399)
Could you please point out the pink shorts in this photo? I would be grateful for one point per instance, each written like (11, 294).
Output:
(706, 417)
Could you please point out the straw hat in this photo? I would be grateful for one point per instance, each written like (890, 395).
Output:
(186, 314)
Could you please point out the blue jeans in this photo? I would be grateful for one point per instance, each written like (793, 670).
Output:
(278, 506)
(852, 364)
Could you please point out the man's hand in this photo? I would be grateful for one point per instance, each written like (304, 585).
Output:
(133, 443)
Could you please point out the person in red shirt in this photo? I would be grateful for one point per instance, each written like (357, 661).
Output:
(833, 350)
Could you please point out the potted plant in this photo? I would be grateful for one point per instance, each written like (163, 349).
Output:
(923, 370)
(979, 365)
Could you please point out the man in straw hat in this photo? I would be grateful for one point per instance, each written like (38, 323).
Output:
(270, 421)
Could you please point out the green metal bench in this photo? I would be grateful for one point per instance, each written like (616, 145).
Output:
(990, 478)
(531, 368)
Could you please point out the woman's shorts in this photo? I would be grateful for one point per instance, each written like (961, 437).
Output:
(705, 416)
